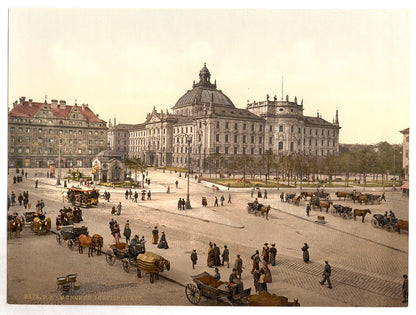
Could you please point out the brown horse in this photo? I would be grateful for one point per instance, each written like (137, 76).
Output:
(402, 225)
(361, 213)
(306, 194)
(363, 198)
(296, 200)
(14, 225)
(97, 243)
(85, 241)
(265, 211)
(324, 204)
(343, 194)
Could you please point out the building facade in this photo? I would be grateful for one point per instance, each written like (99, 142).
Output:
(405, 170)
(41, 133)
(118, 138)
(206, 122)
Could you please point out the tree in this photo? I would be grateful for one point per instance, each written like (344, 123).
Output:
(268, 161)
(136, 164)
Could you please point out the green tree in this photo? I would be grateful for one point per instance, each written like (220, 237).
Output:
(137, 165)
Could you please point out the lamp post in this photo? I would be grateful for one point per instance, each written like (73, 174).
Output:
(188, 202)
(58, 181)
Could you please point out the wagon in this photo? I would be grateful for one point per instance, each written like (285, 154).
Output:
(342, 211)
(70, 233)
(213, 289)
(41, 225)
(152, 264)
(83, 197)
(378, 221)
(28, 217)
(125, 253)
(251, 209)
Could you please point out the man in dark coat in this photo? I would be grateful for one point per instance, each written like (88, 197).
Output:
(226, 256)
(308, 209)
(155, 235)
(194, 258)
(216, 202)
(217, 259)
(405, 289)
(326, 274)
(127, 232)
(111, 223)
(238, 266)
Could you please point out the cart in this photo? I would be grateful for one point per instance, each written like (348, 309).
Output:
(152, 264)
(28, 217)
(127, 254)
(213, 289)
(70, 233)
(83, 197)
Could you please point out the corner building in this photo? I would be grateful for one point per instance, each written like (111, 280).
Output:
(206, 120)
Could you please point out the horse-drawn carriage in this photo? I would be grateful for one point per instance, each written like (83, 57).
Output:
(28, 217)
(14, 224)
(83, 197)
(127, 254)
(259, 210)
(41, 225)
(152, 264)
(343, 211)
(71, 234)
(380, 221)
(213, 289)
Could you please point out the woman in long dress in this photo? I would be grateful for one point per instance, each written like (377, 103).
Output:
(211, 255)
(305, 252)
(273, 252)
(162, 242)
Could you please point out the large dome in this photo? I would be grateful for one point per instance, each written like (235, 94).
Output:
(204, 92)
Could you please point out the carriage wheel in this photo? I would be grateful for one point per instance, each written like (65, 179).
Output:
(71, 244)
(257, 213)
(374, 223)
(110, 258)
(58, 239)
(126, 265)
(192, 293)
(387, 227)
(152, 277)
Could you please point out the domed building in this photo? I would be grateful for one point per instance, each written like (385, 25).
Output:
(216, 132)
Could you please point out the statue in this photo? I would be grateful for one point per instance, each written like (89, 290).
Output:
(296, 100)
(301, 102)
(287, 98)
(267, 96)
(275, 98)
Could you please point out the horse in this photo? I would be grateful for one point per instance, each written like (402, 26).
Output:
(265, 211)
(41, 225)
(14, 225)
(306, 194)
(341, 194)
(324, 204)
(296, 200)
(97, 243)
(402, 225)
(363, 198)
(361, 213)
(289, 197)
(355, 196)
(85, 241)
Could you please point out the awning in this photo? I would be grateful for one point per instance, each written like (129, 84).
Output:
(405, 185)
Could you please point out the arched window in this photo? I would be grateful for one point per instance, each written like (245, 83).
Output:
(280, 145)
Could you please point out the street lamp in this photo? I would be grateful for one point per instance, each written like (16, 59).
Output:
(58, 181)
(188, 202)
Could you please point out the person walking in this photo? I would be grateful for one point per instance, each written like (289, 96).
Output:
(180, 204)
(262, 281)
(136, 195)
(20, 199)
(116, 231)
(127, 232)
(256, 261)
(217, 259)
(308, 209)
(216, 202)
(405, 289)
(211, 255)
(265, 194)
(305, 252)
(111, 224)
(119, 208)
(183, 204)
(176, 184)
(273, 252)
(149, 195)
(239, 266)
(327, 275)
(127, 194)
(252, 192)
(36, 183)
(222, 200)
(383, 197)
(256, 278)
(266, 253)
(225, 256)
(229, 198)
(155, 235)
(194, 258)
(282, 197)
(42, 205)
(163, 243)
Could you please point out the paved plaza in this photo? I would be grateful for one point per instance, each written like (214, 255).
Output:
(367, 263)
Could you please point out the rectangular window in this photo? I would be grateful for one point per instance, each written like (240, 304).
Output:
(226, 125)
(244, 150)
(235, 150)
(218, 124)
(235, 138)
(270, 140)
(217, 137)
(244, 139)
(259, 151)
(281, 128)
(252, 150)
(217, 149)
(226, 138)
(252, 127)
(260, 139)
(226, 150)
(235, 126)
(261, 127)
(271, 128)
(244, 126)
(252, 139)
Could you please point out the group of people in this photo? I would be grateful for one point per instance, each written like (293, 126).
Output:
(222, 199)
(129, 194)
(389, 218)
(214, 256)
(118, 212)
(107, 195)
(259, 194)
(69, 216)
(181, 204)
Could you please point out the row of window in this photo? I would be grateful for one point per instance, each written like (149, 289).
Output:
(51, 131)
(69, 151)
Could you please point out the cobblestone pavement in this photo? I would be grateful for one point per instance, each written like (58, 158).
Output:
(367, 263)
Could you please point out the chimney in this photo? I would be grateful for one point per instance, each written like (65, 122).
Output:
(30, 102)
(98, 116)
(62, 104)
(83, 106)
(54, 104)
(22, 100)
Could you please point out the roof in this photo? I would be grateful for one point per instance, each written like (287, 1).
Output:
(405, 131)
(405, 185)
(317, 121)
(203, 94)
(24, 110)
(109, 154)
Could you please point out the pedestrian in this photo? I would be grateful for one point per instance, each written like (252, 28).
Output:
(252, 192)
(194, 258)
(149, 195)
(256, 261)
(217, 274)
(113, 210)
(266, 253)
(26, 175)
(143, 243)
(216, 202)
(217, 259)
(180, 204)
(282, 196)
(14, 179)
(226, 256)
(42, 205)
(308, 209)
(127, 232)
(168, 190)
(227, 185)
(211, 255)
(183, 204)
(163, 243)
(116, 231)
(405, 289)
(155, 235)
(229, 198)
(136, 195)
(13, 198)
(176, 184)
(262, 281)
(111, 223)
(126, 194)
(222, 200)
(236, 279)
(305, 252)
(256, 278)
(383, 197)
(36, 183)
(273, 252)
(326, 274)
(20, 199)
(238, 265)
(119, 208)
(265, 194)
(130, 193)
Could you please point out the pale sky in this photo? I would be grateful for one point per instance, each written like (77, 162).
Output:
(123, 62)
